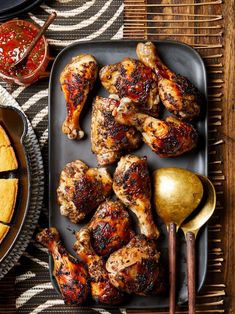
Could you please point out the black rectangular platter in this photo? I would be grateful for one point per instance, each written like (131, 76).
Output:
(181, 59)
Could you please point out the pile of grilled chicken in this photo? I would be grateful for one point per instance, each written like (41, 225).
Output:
(113, 259)
(131, 113)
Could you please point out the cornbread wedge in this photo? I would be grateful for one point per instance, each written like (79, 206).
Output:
(3, 231)
(4, 140)
(8, 194)
(8, 159)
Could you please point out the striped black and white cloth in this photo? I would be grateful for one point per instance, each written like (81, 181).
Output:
(77, 20)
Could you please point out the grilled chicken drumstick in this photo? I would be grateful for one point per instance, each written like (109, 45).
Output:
(131, 184)
(77, 79)
(70, 274)
(131, 78)
(101, 288)
(168, 138)
(110, 228)
(177, 93)
(109, 139)
(81, 189)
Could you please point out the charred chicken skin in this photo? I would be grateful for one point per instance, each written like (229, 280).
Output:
(131, 78)
(177, 93)
(81, 189)
(77, 79)
(168, 138)
(110, 228)
(70, 274)
(101, 288)
(135, 268)
(131, 184)
(109, 139)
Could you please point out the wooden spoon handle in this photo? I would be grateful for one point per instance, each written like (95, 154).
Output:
(172, 265)
(190, 240)
(42, 30)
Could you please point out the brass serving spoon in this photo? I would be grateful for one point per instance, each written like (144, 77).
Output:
(191, 229)
(177, 192)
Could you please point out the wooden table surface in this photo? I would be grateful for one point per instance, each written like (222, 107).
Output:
(215, 41)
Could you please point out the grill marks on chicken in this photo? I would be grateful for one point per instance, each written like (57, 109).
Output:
(168, 138)
(177, 93)
(81, 189)
(131, 78)
(135, 268)
(101, 288)
(77, 79)
(132, 185)
(70, 274)
(110, 228)
(109, 139)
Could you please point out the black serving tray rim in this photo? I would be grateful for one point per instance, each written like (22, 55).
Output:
(205, 228)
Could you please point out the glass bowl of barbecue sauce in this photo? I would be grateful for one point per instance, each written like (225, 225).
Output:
(15, 37)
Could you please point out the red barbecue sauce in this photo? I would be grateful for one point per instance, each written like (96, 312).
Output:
(14, 40)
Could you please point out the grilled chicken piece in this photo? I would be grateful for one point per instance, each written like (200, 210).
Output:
(168, 138)
(177, 93)
(77, 79)
(110, 228)
(71, 276)
(135, 268)
(102, 290)
(81, 189)
(131, 78)
(109, 139)
(131, 184)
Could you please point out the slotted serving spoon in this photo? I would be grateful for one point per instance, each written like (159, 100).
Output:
(177, 192)
(190, 229)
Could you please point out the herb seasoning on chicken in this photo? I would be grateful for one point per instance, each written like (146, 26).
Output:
(110, 228)
(131, 78)
(109, 139)
(177, 93)
(81, 189)
(102, 290)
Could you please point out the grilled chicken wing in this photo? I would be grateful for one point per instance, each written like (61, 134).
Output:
(81, 189)
(109, 139)
(135, 268)
(168, 138)
(110, 228)
(131, 78)
(131, 184)
(101, 289)
(177, 93)
(77, 79)
(71, 276)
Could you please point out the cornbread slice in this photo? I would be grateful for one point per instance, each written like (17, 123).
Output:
(8, 159)
(8, 194)
(3, 231)
(4, 139)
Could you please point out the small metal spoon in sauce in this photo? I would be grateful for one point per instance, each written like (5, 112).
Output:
(177, 192)
(191, 228)
(41, 32)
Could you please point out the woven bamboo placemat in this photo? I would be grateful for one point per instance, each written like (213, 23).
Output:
(201, 25)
